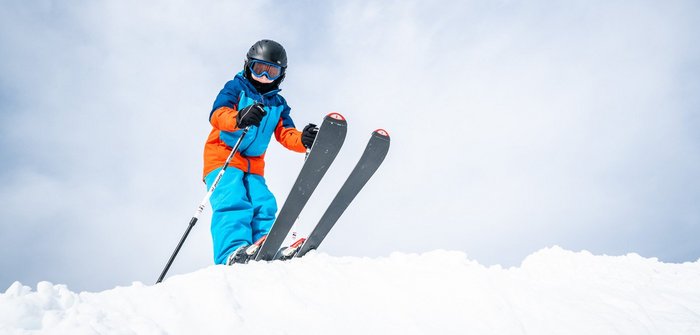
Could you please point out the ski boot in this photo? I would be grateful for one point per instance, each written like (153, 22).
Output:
(245, 253)
(289, 252)
(238, 256)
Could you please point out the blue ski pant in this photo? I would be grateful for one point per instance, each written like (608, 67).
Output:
(243, 211)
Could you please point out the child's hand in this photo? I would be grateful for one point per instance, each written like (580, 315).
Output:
(250, 116)
(308, 135)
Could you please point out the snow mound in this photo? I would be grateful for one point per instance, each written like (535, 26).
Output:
(554, 291)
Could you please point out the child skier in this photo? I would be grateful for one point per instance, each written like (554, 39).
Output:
(244, 208)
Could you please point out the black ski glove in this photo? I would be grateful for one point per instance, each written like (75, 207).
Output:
(250, 116)
(308, 135)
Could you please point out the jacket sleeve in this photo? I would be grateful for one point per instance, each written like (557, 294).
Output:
(224, 118)
(224, 112)
(287, 134)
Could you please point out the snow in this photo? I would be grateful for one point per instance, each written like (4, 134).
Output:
(554, 291)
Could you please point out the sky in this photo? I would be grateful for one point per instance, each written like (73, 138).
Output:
(516, 125)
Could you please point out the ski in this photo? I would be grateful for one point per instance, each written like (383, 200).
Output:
(328, 142)
(371, 159)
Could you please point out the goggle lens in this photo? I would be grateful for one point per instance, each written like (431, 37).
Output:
(271, 70)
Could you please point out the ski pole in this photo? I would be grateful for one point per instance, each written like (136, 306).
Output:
(202, 205)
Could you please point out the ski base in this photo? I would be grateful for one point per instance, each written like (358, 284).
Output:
(329, 140)
(369, 162)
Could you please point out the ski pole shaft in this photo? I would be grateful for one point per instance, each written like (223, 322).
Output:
(201, 206)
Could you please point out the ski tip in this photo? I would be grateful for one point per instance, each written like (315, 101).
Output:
(382, 132)
(336, 116)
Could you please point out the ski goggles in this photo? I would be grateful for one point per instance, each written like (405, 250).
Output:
(260, 68)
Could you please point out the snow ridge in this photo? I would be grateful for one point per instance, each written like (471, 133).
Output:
(554, 291)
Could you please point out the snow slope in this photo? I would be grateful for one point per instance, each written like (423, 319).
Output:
(554, 291)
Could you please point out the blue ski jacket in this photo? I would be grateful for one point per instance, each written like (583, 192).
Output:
(238, 94)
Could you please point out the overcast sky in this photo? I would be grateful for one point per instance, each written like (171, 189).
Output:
(515, 125)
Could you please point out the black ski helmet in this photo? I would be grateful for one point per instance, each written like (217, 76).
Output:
(268, 51)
